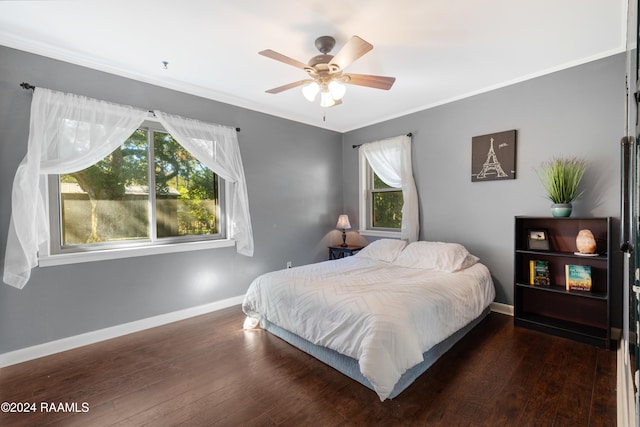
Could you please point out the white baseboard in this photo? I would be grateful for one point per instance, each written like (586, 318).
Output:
(46, 349)
(502, 308)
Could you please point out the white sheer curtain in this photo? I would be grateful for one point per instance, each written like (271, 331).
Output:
(390, 159)
(67, 133)
(217, 147)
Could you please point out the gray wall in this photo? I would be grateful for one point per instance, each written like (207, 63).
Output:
(291, 170)
(578, 111)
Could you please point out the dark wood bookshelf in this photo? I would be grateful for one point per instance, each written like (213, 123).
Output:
(580, 315)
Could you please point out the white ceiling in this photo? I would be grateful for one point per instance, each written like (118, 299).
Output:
(439, 50)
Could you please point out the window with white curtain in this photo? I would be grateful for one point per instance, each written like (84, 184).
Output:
(388, 197)
(150, 190)
(188, 176)
(382, 203)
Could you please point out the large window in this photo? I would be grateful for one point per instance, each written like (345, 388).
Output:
(380, 205)
(98, 146)
(150, 190)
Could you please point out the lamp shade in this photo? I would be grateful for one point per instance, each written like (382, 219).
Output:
(337, 90)
(310, 91)
(326, 100)
(343, 222)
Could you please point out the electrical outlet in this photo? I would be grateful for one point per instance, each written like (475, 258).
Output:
(288, 264)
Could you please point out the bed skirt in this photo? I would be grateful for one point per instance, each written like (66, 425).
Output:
(350, 367)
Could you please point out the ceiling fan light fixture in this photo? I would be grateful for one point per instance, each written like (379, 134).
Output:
(310, 91)
(326, 100)
(325, 72)
(337, 90)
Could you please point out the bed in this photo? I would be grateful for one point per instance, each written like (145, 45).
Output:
(383, 316)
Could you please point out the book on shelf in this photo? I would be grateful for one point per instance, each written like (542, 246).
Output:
(578, 277)
(539, 272)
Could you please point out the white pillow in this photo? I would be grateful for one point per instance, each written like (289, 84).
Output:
(382, 250)
(469, 261)
(439, 256)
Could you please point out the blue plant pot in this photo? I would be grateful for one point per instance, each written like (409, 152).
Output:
(561, 210)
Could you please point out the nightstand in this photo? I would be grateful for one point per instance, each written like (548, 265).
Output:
(337, 252)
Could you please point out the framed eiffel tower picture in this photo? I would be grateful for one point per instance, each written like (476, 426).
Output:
(493, 156)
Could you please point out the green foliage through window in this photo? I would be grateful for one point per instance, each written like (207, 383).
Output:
(196, 206)
(387, 209)
(386, 205)
(109, 201)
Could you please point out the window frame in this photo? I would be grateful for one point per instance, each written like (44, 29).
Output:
(55, 253)
(365, 205)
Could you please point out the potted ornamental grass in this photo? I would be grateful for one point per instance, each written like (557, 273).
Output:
(561, 178)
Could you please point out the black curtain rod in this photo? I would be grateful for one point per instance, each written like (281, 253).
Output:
(24, 85)
(358, 145)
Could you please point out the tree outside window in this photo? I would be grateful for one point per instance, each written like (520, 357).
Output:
(386, 205)
(109, 201)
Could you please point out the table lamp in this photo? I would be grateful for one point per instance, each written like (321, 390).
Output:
(343, 224)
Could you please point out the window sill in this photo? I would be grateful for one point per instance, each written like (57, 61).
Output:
(380, 233)
(89, 256)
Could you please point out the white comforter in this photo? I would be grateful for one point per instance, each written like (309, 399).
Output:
(382, 315)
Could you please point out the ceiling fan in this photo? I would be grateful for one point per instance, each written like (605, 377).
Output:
(326, 72)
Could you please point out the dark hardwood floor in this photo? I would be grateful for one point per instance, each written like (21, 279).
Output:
(208, 371)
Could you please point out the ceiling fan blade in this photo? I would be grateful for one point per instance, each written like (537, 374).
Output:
(377, 82)
(288, 86)
(283, 58)
(354, 49)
